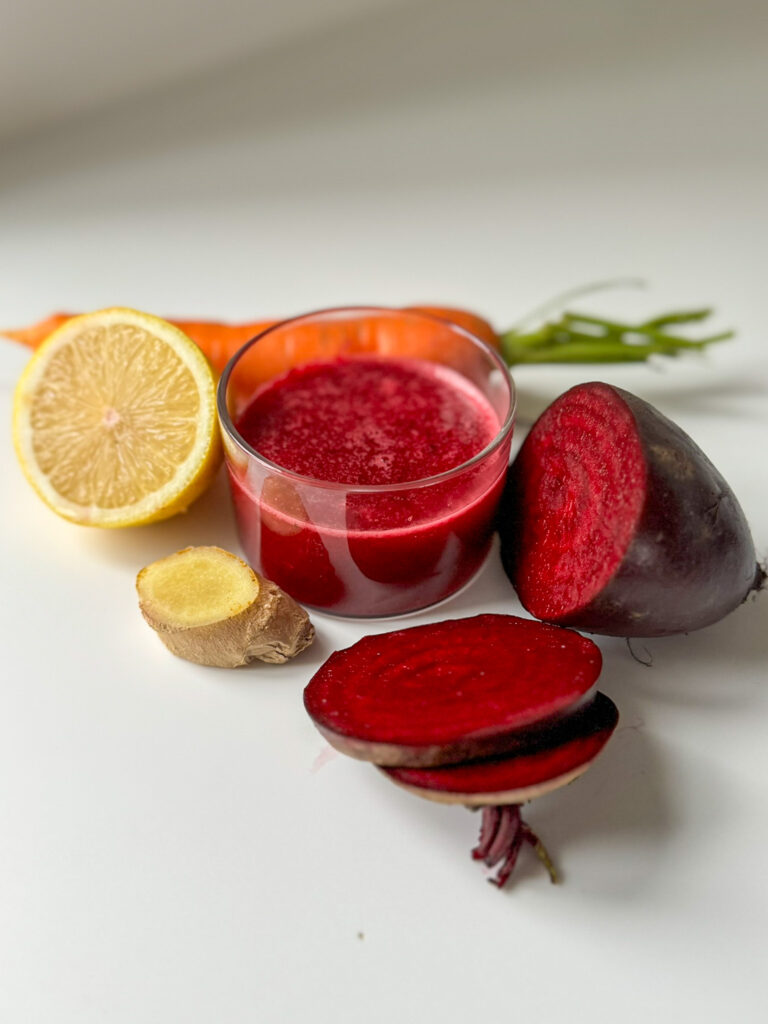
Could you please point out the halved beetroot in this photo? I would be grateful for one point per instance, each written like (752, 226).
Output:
(452, 691)
(615, 522)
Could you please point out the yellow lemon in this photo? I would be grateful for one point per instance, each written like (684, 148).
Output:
(114, 419)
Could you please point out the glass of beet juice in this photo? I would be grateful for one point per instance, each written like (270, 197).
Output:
(366, 451)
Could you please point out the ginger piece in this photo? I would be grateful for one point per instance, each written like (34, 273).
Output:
(208, 606)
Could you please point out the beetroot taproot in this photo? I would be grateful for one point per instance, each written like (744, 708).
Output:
(615, 522)
(488, 711)
(450, 691)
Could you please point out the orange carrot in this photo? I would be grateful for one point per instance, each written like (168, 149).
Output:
(221, 341)
(218, 341)
(35, 334)
(463, 318)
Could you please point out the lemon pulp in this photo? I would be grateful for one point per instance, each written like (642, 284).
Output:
(114, 419)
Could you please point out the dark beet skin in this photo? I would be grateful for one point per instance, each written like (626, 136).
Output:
(451, 691)
(513, 780)
(615, 522)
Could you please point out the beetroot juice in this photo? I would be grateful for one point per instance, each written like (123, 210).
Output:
(360, 490)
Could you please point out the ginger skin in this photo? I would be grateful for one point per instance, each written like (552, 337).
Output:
(209, 607)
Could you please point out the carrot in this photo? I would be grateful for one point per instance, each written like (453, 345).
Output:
(572, 338)
(221, 341)
(463, 318)
(218, 341)
(367, 333)
(35, 334)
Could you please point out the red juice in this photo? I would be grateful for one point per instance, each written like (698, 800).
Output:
(357, 526)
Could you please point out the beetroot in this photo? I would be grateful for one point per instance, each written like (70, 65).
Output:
(615, 522)
(450, 691)
(539, 769)
(487, 711)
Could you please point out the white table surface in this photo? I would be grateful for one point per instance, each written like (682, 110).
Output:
(176, 844)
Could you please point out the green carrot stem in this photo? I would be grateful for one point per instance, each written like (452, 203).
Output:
(581, 338)
(673, 340)
(690, 316)
(594, 351)
(533, 339)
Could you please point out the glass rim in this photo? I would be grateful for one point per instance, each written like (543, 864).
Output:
(231, 430)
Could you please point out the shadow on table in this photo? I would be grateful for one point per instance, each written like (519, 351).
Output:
(210, 520)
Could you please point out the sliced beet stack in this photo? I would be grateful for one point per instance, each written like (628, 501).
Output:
(615, 522)
(488, 711)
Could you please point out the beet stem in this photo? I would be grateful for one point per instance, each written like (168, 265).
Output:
(489, 826)
(502, 833)
(541, 852)
(505, 838)
(508, 866)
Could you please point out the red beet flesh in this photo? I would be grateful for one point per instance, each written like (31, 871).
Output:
(615, 522)
(452, 691)
(513, 780)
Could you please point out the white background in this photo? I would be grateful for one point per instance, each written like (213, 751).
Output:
(174, 844)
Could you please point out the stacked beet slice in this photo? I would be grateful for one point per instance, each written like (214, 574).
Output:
(489, 711)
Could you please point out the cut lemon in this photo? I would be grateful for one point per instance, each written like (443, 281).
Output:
(114, 419)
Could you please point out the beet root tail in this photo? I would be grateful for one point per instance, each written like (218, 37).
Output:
(541, 852)
(502, 834)
(489, 826)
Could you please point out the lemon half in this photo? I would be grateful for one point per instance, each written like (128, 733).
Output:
(114, 419)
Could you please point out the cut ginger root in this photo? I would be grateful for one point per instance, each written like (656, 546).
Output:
(208, 606)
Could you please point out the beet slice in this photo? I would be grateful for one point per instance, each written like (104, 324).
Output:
(500, 785)
(451, 691)
(523, 776)
(615, 522)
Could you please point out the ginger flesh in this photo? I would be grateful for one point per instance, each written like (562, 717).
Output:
(209, 607)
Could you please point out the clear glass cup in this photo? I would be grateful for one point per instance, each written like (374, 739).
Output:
(365, 550)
